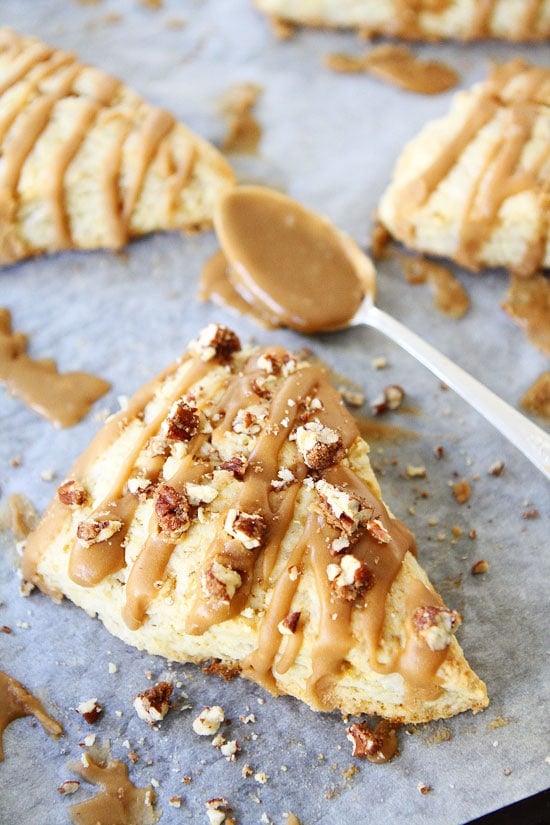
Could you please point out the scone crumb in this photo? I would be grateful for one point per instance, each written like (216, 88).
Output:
(462, 491)
(175, 801)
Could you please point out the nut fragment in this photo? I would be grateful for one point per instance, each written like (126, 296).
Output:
(172, 511)
(462, 491)
(319, 446)
(72, 493)
(90, 710)
(480, 566)
(342, 509)
(235, 465)
(217, 810)
(215, 342)
(68, 786)
(378, 745)
(248, 528)
(289, 625)
(391, 398)
(436, 625)
(183, 422)
(153, 704)
(350, 578)
(249, 421)
(93, 531)
(208, 721)
(220, 582)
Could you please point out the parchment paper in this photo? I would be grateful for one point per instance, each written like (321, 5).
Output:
(331, 141)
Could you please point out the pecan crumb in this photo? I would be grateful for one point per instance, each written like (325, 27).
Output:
(153, 704)
(236, 465)
(183, 423)
(480, 566)
(462, 491)
(378, 745)
(530, 514)
(391, 398)
(90, 710)
(223, 669)
(424, 789)
(68, 787)
(248, 528)
(289, 625)
(216, 342)
(497, 468)
(72, 493)
(172, 510)
(208, 721)
(436, 625)
(94, 531)
(319, 446)
(350, 579)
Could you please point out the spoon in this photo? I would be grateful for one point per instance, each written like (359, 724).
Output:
(294, 268)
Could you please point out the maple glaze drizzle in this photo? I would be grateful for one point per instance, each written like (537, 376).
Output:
(339, 622)
(17, 702)
(505, 173)
(118, 801)
(39, 81)
(63, 399)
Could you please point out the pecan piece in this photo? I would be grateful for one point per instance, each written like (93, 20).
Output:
(289, 625)
(220, 583)
(90, 710)
(236, 465)
(390, 399)
(248, 528)
(183, 422)
(172, 510)
(436, 625)
(93, 531)
(319, 446)
(215, 342)
(350, 579)
(153, 704)
(72, 493)
(378, 745)
(341, 509)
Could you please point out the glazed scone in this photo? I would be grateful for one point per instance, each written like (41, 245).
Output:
(517, 20)
(231, 513)
(474, 186)
(86, 162)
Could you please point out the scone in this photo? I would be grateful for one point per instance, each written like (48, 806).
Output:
(518, 20)
(86, 162)
(474, 186)
(230, 513)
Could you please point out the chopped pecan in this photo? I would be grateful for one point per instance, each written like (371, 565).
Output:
(289, 625)
(480, 566)
(261, 387)
(319, 446)
(436, 625)
(350, 579)
(249, 421)
(343, 510)
(183, 422)
(72, 493)
(93, 531)
(153, 704)
(209, 720)
(220, 583)
(372, 744)
(236, 465)
(390, 399)
(462, 491)
(285, 477)
(377, 530)
(248, 528)
(172, 510)
(69, 786)
(216, 342)
(90, 710)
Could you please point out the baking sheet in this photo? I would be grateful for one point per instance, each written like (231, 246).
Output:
(330, 140)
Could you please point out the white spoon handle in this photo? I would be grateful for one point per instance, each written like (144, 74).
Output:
(531, 440)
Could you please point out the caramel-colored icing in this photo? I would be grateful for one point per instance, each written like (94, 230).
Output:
(17, 702)
(244, 132)
(297, 393)
(291, 265)
(119, 800)
(400, 66)
(450, 297)
(63, 399)
(507, 171)
(527, 301)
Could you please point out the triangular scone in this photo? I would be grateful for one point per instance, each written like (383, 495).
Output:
(86, 162)
(231, 513)
(475, 185)
(527, 20)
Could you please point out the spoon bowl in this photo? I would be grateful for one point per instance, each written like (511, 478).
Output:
(296, 269)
